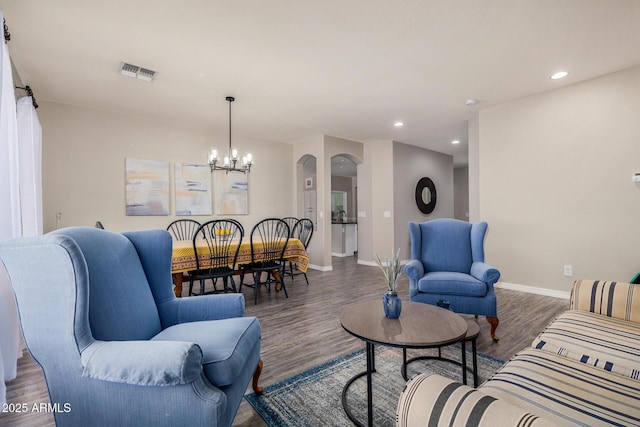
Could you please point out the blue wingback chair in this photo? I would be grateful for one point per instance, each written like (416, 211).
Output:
(117, 348)
(447, 263)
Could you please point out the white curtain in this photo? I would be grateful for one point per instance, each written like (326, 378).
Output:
(20, 200)
(29, 168)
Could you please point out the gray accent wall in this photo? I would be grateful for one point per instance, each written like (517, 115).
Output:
(411, 163)
(461, 193)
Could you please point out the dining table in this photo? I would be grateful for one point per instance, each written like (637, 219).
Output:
(183, 258)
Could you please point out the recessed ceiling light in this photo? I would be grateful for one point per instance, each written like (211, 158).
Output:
(471, 102)
(455, 141)
(559, 75)
(398, 124)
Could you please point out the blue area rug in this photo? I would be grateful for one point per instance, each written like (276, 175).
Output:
(313, 397)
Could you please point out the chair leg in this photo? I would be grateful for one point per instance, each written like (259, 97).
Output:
(201, 286)
(256, 376)
(305, 278)
(256, 285)
(241, 279)
(494, 325)
(282, 285)
(233, 284)
(191, 286)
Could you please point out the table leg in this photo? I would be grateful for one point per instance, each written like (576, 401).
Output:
(464, 362)
(177, 280)
(474, 351)
(276, 276)
(370, 369)
(404, 363)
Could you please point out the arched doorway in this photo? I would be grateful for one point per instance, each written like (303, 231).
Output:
(344, 206)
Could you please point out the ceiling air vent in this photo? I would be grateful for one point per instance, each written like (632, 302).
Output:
(137, 72)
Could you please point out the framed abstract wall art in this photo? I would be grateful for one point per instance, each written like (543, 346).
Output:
(231, 193)
(192, 189)
(146, 187)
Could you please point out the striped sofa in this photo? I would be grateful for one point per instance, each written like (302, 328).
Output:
(583, 369)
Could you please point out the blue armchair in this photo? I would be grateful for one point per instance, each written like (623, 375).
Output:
(117, 348)
(447, 263)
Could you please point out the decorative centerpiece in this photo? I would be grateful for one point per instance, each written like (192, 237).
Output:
(223, 234)
(391, 269)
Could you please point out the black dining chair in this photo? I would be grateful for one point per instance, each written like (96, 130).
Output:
(183, 229)
(291, 222)
(269, 239)
(99, 225)
(216, 245)
(302, 230)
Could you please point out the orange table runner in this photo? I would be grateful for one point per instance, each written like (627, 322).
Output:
(183, 258)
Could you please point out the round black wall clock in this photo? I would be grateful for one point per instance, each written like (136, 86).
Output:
(426, 195)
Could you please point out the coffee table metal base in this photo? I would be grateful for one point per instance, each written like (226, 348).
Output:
(472, 335)
(371, 368)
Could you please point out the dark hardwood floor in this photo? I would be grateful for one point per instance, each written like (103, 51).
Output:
(304, 330)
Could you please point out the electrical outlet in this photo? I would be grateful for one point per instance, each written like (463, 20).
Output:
(568, 270)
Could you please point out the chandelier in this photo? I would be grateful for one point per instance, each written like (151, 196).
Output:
(231, 161)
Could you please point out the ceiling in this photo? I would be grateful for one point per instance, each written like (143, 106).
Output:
(346, 68)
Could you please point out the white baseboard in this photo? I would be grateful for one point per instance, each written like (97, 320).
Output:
(321, 267)
(341, 255)
(533, 290)
(374, 264)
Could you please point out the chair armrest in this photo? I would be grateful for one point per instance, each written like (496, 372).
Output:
(204, 307)
(436, 400)
(614, 299)
(414, 269)
(143, 363)
(485, 272)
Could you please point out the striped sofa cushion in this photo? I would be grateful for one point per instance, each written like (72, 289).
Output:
(565, 391)
(613, 299)
(605, 342)
(432, 400)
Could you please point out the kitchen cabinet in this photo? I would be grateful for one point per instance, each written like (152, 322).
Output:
(344, 239)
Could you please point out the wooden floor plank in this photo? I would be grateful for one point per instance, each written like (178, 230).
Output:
(304, 330)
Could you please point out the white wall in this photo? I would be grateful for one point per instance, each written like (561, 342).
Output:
(375, 197)
(84, 155)
(411, 163)
(313, 145)
(556, 183)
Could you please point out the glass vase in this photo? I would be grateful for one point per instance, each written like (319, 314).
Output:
(392, 305)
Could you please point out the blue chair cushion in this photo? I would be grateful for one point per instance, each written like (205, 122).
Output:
(451, 283)
(226, 345)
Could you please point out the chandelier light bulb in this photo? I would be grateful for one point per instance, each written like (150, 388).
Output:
(213, 155)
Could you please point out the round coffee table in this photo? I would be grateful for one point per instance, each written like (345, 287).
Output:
(419, 326)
